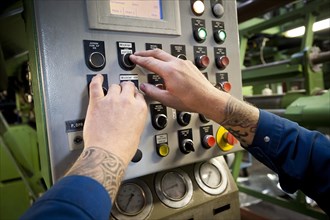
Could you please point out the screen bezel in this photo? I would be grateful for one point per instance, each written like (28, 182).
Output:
(99, 17)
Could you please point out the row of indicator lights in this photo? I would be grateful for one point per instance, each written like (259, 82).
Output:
(224, 140)
(198, 8)
(219, 36)
(203, 61)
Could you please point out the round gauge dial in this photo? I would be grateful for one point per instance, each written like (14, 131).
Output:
(130, 199)
(210, 175)
(174, 186)
(134, 200)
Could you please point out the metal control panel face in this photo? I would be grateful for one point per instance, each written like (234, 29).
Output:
(86, 40)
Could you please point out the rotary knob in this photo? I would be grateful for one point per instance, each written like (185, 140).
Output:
(160, 121)
(218, 10)
(222, 62)
(127, 63)
(203, 118)
(184, 118)
(187, 146)
(202, 61)
(182, 57)
(220, 36)
(208, 141)
(96, 60)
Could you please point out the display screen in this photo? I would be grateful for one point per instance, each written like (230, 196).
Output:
(150, 9)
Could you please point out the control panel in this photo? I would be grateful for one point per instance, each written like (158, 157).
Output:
(78, 39)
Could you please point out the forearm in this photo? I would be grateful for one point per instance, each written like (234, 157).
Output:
(238, 117)
(101, 165)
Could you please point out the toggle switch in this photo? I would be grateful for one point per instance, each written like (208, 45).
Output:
(222, 62)
(187, 146)
(202, 62)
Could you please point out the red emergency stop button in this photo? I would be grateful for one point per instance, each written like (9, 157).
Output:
(222, 62)
(229, 138)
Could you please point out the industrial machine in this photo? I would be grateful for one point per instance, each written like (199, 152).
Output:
(178, 170)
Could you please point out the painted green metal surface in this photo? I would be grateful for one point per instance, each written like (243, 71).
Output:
(37, 90)
(14, 200)
(311, 111)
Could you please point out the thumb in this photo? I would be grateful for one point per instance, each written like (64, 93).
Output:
(95, 87)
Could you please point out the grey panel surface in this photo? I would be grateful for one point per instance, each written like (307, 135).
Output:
(61, 28)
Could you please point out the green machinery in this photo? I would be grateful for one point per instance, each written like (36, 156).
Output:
(298, 66)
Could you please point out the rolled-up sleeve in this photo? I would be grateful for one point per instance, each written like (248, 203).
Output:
(73, 197)
(300, 157)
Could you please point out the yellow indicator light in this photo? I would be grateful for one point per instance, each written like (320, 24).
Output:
(163, 150)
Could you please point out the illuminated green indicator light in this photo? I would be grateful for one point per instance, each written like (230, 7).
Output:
(202, 33)
(222, 35)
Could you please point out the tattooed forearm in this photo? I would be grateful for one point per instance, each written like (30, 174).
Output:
(102, 166)
(241, 120)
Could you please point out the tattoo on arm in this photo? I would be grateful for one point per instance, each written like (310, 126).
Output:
(101, 165)
(240, 121)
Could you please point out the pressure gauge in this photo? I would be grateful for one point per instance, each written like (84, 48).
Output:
(174, 188)
(134, 200)
(211, 176)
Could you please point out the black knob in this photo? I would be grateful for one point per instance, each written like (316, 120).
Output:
(160, 121)
(203, 118)
(128, 64)
(187, 146)
(137, 157)
(96, 60)
(182, 57)
(184, 118)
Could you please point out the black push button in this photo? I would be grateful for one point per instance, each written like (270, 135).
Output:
(94, 55)
(137, 157)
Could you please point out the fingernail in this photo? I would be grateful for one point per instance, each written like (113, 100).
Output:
(142, 86)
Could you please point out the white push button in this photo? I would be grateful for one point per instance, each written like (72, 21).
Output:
(198, 7)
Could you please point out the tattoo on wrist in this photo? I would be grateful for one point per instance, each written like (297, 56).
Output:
(101, 165)
(239, 121)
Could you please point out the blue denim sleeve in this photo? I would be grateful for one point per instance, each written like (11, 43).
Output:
(73, 197)
(300, 157)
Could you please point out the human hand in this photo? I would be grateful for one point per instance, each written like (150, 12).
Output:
(115, 121)
(187, 89)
